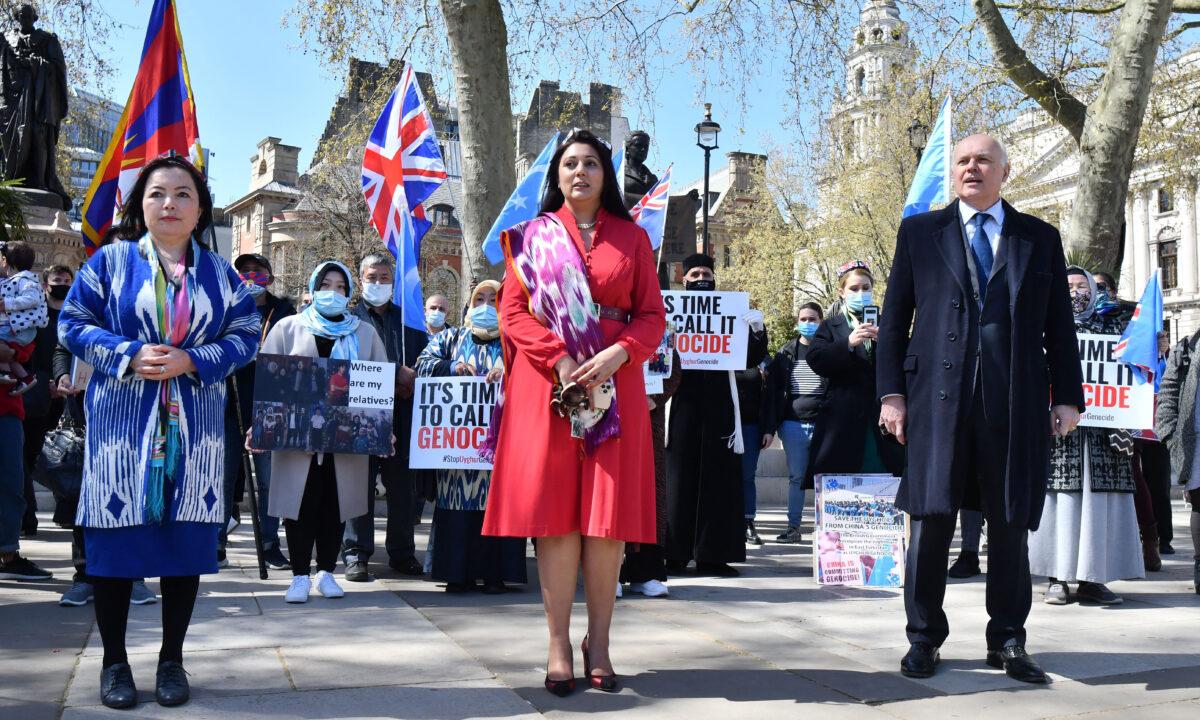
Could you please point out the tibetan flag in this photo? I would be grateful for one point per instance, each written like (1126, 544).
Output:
(159, 117)
(931, 184)
(1138, 347)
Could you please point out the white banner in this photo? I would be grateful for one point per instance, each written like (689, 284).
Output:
(450, 422)
(709, 331)
(1111, 392)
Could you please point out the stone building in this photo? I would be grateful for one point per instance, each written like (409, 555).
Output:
(552, 109)
(728, 189)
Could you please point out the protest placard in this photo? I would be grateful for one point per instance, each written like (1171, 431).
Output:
(709, 331)
(658, 368)
(81, 373)
(1111, 392)
(323, 405)
(859, 536)
(450, 421)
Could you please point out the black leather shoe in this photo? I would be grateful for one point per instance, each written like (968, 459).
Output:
(716, 569)
(117, 690)
(966, 566)
(1017, 664)
(357, 572)
(171, 685)
(920, 661)
(409, 566)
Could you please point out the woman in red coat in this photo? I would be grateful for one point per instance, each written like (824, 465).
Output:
(580, 304)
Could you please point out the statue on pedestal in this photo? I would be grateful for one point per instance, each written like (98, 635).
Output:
(638, 179)
(33, 104)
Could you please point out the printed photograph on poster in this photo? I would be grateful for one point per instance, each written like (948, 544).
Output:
(1111, 392)
(658, 368)
(709, 331)
(323, 405)
(81, 373)
(450, 421)
(859, 536)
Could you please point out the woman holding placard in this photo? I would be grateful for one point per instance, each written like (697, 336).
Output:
(580, 311)
(316, 493)
(1089, 529)
(462, 556)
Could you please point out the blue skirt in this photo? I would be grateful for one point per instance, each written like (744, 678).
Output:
(172, 549)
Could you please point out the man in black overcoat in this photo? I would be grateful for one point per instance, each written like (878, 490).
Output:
(990, 372)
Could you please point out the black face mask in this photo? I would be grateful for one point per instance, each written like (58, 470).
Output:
(59, 292)
(700, 285)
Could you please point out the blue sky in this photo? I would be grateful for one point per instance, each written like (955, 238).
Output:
(252, 79)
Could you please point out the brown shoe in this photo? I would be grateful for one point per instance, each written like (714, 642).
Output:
(1150, 554)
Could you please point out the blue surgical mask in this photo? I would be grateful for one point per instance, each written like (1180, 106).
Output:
(484, 317)
(330, 303)
(435, 318)
(856, 301)
(807, 328)
(377, 294)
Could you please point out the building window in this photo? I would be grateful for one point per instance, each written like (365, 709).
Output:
(1167, 261)
(443, 216)
(728, 256)
(1166, 200)
(860, 79)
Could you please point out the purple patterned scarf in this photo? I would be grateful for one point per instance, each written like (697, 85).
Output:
(547, 264)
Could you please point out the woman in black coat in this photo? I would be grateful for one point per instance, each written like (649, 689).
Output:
(846, 438)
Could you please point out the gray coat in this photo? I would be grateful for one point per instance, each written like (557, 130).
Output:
(289, 469)
(1175, 418)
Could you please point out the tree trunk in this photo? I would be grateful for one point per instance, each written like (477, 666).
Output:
(478, 47)
(1110, 134)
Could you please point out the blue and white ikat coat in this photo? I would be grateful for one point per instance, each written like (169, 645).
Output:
(107, 317)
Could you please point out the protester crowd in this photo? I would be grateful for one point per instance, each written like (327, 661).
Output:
(631, 495)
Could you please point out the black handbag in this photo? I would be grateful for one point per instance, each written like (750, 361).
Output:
(59, 466)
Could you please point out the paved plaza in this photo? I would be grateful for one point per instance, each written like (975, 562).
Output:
(770, 644)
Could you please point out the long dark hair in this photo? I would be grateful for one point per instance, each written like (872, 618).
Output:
(610, 194)
(133, 221)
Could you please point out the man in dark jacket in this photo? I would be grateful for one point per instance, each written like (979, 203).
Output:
(969, 392)
(403, 344)
(255, 271)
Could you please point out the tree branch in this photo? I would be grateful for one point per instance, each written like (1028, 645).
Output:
(1181, 6)
(1046, 91)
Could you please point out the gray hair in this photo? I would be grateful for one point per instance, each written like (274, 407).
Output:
(374, 259)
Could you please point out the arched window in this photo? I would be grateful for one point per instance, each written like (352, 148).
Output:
(860, 79)
(443, 216)
(877, 35)
(444, 281)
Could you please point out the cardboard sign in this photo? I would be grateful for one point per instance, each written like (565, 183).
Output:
(658, 368)
(450, 421)
(1111, 392)
(859, 536)
(709, 331)
(323, 405)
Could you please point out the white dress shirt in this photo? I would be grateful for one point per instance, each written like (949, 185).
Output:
(991, 226)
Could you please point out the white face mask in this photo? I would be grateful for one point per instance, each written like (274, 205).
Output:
(377, 294)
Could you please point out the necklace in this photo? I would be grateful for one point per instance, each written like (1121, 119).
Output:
(586, 226)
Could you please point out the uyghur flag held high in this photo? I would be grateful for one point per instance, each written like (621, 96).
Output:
(931, 184)
(524, 202)
(159, 117)
(1138, 347)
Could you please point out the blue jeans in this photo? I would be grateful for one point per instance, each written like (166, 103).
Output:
(752, 443)
(12, 482)
(268, 526)
(796, 437)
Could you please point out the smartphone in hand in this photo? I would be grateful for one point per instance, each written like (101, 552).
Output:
(871, 315)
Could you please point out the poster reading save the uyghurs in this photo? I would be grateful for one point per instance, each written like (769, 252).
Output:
(323, 405)
(860, 535)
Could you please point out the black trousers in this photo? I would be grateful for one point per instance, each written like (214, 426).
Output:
(1009, 588)
(1156, 468)
(319, 524)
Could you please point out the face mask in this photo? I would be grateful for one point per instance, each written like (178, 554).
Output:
(1080, 300)
(1104, 301)
(807, 328)
(484, 317)
(700, 285)
(256, 282)
(377, 294)
(856, 301)
(435, 318)
(59, 292)
(330, 303)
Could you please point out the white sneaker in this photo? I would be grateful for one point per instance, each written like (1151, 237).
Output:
(298, 592)
(620, 591)
(327, 585)
(651, 588)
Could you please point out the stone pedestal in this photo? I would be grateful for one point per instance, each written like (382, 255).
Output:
(50, 232)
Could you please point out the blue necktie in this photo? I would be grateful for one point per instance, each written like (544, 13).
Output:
(981, 246)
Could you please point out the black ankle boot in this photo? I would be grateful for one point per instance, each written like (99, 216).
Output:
(117, 690)
(171, 685)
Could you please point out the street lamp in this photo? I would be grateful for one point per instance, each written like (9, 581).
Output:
(706, 138)
(918, 136)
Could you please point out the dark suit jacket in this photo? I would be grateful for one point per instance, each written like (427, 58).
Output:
(1025, 350)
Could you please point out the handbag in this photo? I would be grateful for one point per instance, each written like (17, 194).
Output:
(59, 465)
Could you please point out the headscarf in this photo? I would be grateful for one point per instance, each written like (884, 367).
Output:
(481, 334)
(1086, 313)
(343, 332)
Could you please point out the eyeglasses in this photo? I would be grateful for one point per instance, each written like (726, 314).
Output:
(852, 265)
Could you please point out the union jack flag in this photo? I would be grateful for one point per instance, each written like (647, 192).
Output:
(651, 211)
(402, 166)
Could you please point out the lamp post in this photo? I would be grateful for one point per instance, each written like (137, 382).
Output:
(918, 136)
(706, 138)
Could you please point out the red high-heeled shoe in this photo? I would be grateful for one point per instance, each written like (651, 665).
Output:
(561, 688)
(605, 683)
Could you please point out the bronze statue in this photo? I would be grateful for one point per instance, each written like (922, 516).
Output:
(33, 75)
(638, 178)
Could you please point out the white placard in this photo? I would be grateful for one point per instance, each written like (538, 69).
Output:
(1111, 392)
(709, 331)
(450, 421)
(859, 536)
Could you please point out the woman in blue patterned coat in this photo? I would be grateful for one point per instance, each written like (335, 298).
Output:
(462, 556)
(163, 320)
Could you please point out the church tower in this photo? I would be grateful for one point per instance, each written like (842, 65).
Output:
(881, 48)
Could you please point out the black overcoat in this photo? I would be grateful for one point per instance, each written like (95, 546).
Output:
(1031, 351)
